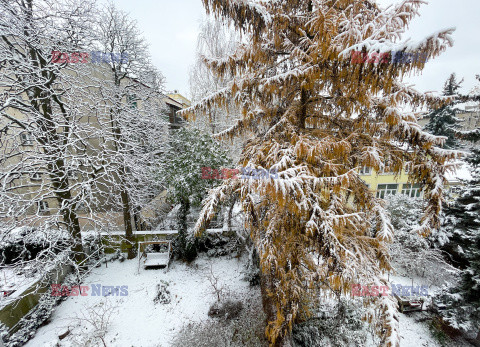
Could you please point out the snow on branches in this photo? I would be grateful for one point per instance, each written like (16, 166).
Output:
(317, 118)
(73, 137)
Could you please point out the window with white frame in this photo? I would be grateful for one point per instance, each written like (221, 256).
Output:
(412, 190)
(387, 168)
(386, 189)
(365, 170)
(42, 206)
(386, 171)
(26, 139)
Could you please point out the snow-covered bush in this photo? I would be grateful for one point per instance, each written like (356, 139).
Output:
(92, 244)
(95, 321)
(344, 327)
(185, 247)
(30, 323)
(3, 333)
(220, 244)
(229, 309)
(118, 255)
(411, 253)
(26, 243)
(245, 330)
(163, 295)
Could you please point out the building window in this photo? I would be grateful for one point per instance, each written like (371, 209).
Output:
(365, 171)
(174, 119)
(386, 189)
(383, 172)
(132, 100)
(26, 139)
(42, 206)
(387, 168)
(412, 190)
(35, 176)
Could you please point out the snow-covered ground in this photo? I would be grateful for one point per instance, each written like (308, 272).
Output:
(136, 320)
(10, 279)
(414, 333)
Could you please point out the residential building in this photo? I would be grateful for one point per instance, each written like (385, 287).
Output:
(33, 180)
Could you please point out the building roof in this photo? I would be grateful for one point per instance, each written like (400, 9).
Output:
(180, 98)
(170, 101)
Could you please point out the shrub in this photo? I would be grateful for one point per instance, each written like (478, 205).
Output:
(163, 295)
(228, 310)
(26, 243)
(220, 244)
(245, 330)
(344, 327)
(185, 247)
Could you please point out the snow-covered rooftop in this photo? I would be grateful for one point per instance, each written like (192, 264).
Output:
(462, 173)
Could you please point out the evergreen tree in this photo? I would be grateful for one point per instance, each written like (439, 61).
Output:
(462, 225)
(463, 220)
(451, 85)
(443, 121)
(316, 117)
(187, 172)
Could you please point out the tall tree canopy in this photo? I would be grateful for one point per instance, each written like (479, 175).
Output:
(317, 117)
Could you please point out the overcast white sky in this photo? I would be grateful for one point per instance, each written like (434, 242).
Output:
(171, 29)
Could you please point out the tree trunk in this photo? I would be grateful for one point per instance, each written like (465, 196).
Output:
(303, 110)
(182, 226)
(230, 215)
(59, 175)
(127, 212)
(266, 286)
(70, 218)
(182, 215)
(73, 226)
(127, 222)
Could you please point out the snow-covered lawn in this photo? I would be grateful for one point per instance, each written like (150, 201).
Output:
(136, 320)
(413, 333)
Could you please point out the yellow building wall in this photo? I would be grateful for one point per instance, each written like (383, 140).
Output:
(374, 179)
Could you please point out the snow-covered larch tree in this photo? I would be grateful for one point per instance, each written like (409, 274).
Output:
(318, 116)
